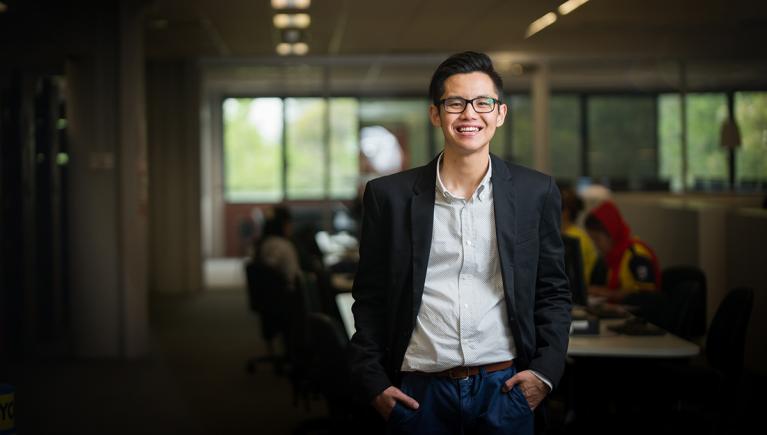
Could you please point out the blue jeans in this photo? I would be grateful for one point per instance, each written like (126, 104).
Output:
(474, 405)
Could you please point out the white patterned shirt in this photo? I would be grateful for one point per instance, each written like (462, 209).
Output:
(462, 319)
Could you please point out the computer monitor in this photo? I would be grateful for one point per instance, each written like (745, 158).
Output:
(574, 269)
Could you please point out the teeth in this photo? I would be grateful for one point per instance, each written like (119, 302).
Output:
(467, 129)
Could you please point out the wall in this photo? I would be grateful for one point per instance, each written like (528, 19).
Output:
(98, 50)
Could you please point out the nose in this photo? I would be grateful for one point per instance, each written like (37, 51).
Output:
(468, 111)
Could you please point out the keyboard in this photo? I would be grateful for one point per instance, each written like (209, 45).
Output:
(636, 326)
(608, 311)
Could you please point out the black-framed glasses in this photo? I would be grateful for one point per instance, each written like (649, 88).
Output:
(458, 104)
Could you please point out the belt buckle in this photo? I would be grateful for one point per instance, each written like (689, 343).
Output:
(459, 373)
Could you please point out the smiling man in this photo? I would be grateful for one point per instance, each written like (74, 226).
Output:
(462, 305)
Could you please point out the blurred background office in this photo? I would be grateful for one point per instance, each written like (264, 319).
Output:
(142, 142)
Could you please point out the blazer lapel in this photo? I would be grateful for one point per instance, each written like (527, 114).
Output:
(505, 225)
(421, 225)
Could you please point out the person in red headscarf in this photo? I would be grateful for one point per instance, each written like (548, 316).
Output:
(632, 266)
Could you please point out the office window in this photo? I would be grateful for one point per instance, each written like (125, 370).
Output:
(564, 133)
(670, 140)
(565, 136)
(319, 165)
(751, 115)
(707, 160)
(253, 149)
(406, 119)
(305, 137)
(521, 118)
(622, 137)
(344, 148)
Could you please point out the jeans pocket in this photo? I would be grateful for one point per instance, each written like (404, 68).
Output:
(519, 404)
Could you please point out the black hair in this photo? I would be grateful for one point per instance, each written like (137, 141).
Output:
(275, 225)
(463, 63)
(571, 202)
(593, 223)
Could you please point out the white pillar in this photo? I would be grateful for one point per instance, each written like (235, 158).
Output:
(540, 99)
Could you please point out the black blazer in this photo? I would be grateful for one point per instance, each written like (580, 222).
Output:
(394, 253)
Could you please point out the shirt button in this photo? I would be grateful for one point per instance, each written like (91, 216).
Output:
(466, 305)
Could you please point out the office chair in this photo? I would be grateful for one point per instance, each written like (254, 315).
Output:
(684, 288)
(326, 373)
(726, 341)
(267, 297)
(707, 389)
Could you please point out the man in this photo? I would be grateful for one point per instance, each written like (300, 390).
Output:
(461, 298)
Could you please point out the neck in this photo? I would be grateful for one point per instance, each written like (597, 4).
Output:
(461, 174)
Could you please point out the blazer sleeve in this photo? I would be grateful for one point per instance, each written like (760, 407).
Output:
(367, 348)
(552, 298)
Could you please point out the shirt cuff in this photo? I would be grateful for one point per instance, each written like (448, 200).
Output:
(543, 379)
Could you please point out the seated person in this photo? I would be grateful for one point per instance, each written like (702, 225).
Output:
(572, 205)
(275, 248)
(631, 264)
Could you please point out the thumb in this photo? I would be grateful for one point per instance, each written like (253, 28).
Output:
(407, 400)
(508, 385)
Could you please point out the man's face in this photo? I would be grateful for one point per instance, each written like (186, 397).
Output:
(468, 132)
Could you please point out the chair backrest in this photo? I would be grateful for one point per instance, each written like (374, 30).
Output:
(251, 280)
(685, 290)
(268, 295)
(326, 352)
(574, 269)
(726, 341)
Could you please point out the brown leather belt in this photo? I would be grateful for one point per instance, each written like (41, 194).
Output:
(465, 372)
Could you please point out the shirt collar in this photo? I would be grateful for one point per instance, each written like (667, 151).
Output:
(482, 189)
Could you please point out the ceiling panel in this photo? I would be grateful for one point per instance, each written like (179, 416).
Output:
(243, 28)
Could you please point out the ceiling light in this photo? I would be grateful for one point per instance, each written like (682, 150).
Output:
(569, 6)
(3, 7)
(299, 21)
(540, 24)
(291, 4)
(283, 49)
(300, 48)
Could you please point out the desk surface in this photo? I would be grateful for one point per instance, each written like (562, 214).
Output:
(344, 302)
(606, 344)
(612, 344)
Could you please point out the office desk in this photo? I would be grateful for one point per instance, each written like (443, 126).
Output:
(344, 302)
(607, 344)
(614, 345)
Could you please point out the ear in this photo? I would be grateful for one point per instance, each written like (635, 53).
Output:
(501, 115)
(434, 116)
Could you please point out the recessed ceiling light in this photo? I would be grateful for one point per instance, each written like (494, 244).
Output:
(300, 48)
(299, 21)
(540, 24)
(3, 7)
(291, 4)
(283, 49)
(569, 6)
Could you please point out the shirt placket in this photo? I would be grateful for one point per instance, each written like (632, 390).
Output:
(465, 279)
